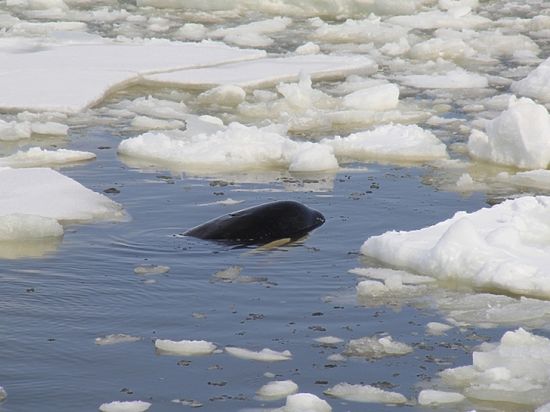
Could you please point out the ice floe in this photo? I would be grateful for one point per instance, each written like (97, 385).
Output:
(301, 402)
(536, 84)
(116, 339)
(277, 389)
(518, 137)
(503, 247)
(376, 347)
(268, 71)
(184, 347)
(389, 142)
(533, 179)
(432, 397)
(71, 77)
(265, 355)
(514, 370)
(364, 393)
(454, 79)
(437, 328)
(35, 156)
(125, 406)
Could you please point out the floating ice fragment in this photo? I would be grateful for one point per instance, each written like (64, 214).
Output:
(35, 156)
(265, 355)
(518, 137)
(184, 347)
(503, 247)
(364, 393)
(536, 84)
(151, 269)
(225, 95)
(328, 340)
(3, 393)
(116, 339)
(375, 347)
(277, 389)
(378, 98)
(437, 328)
(125, 406)
(455, 79)
(302, 402)
(433, 398)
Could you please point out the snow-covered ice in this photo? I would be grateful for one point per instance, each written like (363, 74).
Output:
(503, 247)
(519, 136)
(328, 340)
(265, 355)
(434, 398)
(184, 347)
(302, 402)
(268, 71)
(514, 370)
(125, 406)
(376, 347)
(277, 389)
(536, 84)
(364, 393)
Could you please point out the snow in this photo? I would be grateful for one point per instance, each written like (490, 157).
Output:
(454, 79)
(116, 339)
(305, 402)
(35, 156)
(391, 143)
(71, 77)
(514, 370)
(125, 406)
(277, 390)
(364, 393)
(268, 71)
(536, 84)
(235, 147)
(184, 347)
(265, 355)
(49, 194)
(376, 347)
(517, 137)
(503, 247)
(433, 398)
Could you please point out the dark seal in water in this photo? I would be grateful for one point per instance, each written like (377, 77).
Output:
(261, 224)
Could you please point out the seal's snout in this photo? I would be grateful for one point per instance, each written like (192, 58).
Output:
(319, 219)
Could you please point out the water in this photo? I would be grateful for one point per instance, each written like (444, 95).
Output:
(55, 306)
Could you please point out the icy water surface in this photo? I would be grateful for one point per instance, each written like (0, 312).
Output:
(55, 306)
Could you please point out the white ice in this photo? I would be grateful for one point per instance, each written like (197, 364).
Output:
(434, 398)
(17, 130)
(454, 79)
(277, 389)
(518, 137)
(514, 370)
(364, 393)
(534, 179)
(35, 156)
(184, 347)
(503, 247)
(71, 77)
(125, 406)
(536, 84)
(305, 402)
(328, 340)
(116, 339)
(265, 355)
(376, 347)
(437, 328)
(24, 227)
(268, 71)
(393, 142)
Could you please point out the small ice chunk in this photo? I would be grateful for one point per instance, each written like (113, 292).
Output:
(50, 128)
(455, 79)
(3, 393)
(229, 274)
(125, 406)
(308, 48)
(149, 123)
(151, 269)
(305, 402)
(375, 347)
(336, 357)
(35, 156)
(13, 130)
(328, 340)
(377, 98)
(277, 389)
(364, 393)
(265, 355)
(225, 95)
(386, 273)
(191, 31)
(517, 137)
(16, 226)
(184, 347)
(433, 398)
(116, 339)
(437, 328)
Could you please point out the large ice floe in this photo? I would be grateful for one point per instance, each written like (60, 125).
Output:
(504, 247)
(514, 370)
(519, 136)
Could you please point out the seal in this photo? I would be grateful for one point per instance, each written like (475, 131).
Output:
(264, 223)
